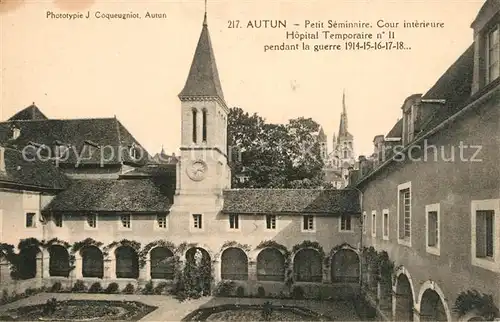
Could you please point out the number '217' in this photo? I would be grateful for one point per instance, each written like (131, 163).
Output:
(233, 24)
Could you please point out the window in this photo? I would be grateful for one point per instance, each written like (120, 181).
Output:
(125, 221)
(234, 222)
(161, 221)
(197, 221)
(58, 220)
(365, 217)
(195, 125)
(308, 223)
(30, 220)
(432, 229)
(385, 224)
(61, 151)
(88, 150)
(345, 223)
(404, 214)
(409, 124)
(15, 133)
(270, 222)
(204, 126)
(92, 221)
(485, 223)
(485, 241)
(374, 223)
(493, 54)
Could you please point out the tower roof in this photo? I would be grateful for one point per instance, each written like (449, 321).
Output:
(343, 132)
(31, 112)
(203, 79)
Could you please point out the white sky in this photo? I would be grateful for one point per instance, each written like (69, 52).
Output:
(134, 69)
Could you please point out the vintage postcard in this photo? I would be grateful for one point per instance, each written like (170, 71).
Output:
(250, 160)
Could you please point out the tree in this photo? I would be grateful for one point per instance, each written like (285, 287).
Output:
(274, 155)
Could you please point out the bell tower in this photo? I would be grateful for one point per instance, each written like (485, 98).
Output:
(203, 168)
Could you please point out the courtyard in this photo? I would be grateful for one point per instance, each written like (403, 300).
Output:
(170, 309)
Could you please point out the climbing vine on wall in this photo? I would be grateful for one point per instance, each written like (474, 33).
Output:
(233, 243)
(280, 247)
(55, 241)
(335, 249)
(143, 254)
(473, 301)
(77, 246)
(309, 244)
(125, 243)
(181, 249)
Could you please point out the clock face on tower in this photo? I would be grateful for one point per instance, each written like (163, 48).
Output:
(197, 170)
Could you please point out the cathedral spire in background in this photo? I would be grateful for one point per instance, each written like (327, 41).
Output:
(343, 132)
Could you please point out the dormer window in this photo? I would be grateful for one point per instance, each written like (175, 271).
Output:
(16, 132)
(493, 54)
(61, 151)
(88, 149)
(409, 124)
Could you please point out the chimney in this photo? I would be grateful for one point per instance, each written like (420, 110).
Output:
(362, 165)
(2, 159)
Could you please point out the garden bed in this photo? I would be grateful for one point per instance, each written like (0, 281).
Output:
(80, 310)
(238, 312)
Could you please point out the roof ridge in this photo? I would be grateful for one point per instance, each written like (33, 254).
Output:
(48, 120)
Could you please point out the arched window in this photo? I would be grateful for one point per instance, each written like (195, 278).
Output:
(204, 128)
(195, 125)
(234, 264)
(162, 265)
(270, 265)
(58, 261)
(307, 266)
(92, 262)
(127, 262)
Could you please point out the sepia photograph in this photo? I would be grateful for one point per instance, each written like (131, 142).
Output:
(249, 160)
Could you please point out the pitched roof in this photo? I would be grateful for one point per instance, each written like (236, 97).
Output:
(151, 170)
(454, 86)
(108, 134)
(300, 201)
(203, 78)
(31, 112)
(21, 171)
(397, 130)
(106, 195)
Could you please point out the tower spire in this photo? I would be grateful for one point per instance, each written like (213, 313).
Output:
(343, 102)
(205, 16)
(343, 118)
(203, 78)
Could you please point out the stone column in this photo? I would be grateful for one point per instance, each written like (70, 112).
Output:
(77, 272)
(252, 271)
(39, 266)
(327, 277)
(216, 270)
(145, 272)
(109, 268)
(45, 265)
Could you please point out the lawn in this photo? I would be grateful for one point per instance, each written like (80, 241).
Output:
(80, 310)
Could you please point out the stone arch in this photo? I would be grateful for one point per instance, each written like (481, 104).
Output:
(183, 251)
(307, 265)
(127, 262)
(404, 296)
(345, 265)
(234, 264)
(27, 261)
(92, 261)
(271, 265)
(198, 263)
(58, 261)
(162, 265)
(431, 304)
